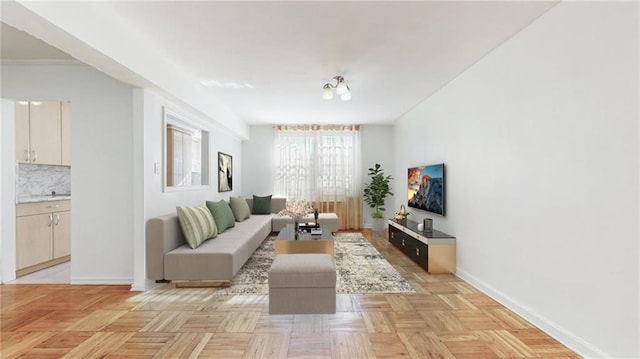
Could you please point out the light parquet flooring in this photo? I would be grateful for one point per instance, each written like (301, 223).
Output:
(445, 318)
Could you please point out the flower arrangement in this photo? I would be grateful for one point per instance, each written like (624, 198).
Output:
(296, 210)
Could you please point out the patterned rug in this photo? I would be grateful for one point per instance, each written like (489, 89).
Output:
(360, 269)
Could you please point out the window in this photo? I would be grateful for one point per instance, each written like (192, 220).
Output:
(186, 155)
(318, 163)
(321, 164)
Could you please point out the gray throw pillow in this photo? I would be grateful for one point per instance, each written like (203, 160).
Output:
(240, 208)
(261, 205)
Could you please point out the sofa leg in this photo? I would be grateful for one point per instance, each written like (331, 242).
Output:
(201, 283)
(162, 281)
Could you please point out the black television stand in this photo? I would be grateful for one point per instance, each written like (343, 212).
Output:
(434, 251)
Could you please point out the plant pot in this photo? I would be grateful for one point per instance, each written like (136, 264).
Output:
(379, 224)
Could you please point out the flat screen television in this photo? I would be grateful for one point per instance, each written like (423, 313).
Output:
(426, 188)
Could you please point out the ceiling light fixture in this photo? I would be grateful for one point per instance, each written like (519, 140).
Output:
(341, 89)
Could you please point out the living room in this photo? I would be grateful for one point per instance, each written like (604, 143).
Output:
(531, 134)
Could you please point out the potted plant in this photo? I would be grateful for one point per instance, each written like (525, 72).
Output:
(375, 193)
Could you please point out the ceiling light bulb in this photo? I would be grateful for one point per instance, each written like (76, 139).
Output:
(327, 93)
(346, 96)
(341, 88)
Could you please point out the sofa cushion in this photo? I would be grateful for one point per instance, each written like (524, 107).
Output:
(197, 224)
(222, 214)
(261, 205)
(240, 208)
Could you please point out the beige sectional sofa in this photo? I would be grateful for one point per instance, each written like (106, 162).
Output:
(169, 257)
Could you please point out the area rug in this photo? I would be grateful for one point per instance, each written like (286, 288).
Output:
(360, 269)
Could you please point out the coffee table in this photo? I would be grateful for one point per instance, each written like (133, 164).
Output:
(286, 243)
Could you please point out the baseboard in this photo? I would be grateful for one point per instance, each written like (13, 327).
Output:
(101, 281)
(545, 324)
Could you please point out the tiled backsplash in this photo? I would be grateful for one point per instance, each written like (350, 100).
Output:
(36, 180)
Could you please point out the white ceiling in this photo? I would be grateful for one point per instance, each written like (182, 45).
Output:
(393, 55)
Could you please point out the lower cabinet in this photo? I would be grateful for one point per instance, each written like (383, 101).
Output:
(411, 247)
(43, 235)
(434, 251)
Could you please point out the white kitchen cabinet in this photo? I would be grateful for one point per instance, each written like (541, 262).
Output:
(65, 127)
(43, 235)
(42, 132)
(23, 152)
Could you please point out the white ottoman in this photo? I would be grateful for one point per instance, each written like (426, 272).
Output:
(302, 284)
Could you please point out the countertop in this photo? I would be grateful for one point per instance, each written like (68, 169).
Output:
(43, 198)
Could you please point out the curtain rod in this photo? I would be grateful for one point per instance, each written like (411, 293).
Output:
(318, 127)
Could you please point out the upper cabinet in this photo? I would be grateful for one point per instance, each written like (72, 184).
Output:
(45, 137)
(65, 127)
(23, 152)
(42, 132)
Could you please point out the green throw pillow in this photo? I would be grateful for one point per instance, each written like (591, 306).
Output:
(240, 208)
(197, 224)
(261, 205)
(222, 214)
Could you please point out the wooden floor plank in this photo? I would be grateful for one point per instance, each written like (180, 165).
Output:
(239, 322)
(96, 320)
(425, 345)
(226, 345)
(309, 346)
(184, 345)
(347, 322)
(388, 346)
(351, 346)
(446, 317)
(378, 322)
(99, 345)
(143, 345)
(15, 344)
(267, 346)
(311, 323)
(274, 324)
(399, 302)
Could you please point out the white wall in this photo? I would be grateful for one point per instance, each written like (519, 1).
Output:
(7, 192)
(259, 160)
(540, 140)
(101, 164)
(378, 147)
(155, 202)
(259, 175)
(158, 202)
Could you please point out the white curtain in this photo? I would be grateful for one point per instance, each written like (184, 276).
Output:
(321, 164)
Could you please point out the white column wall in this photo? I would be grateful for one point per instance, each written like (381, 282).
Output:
(7, 192)
(540, 140)
(259, 175)
(157, 202)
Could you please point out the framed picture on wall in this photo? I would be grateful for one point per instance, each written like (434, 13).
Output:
(225, 172)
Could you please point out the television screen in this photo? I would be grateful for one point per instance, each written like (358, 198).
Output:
(426, 188)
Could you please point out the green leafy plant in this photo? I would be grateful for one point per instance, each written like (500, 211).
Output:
(376, 191)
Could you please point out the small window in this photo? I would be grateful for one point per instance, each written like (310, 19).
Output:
(186, 155)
